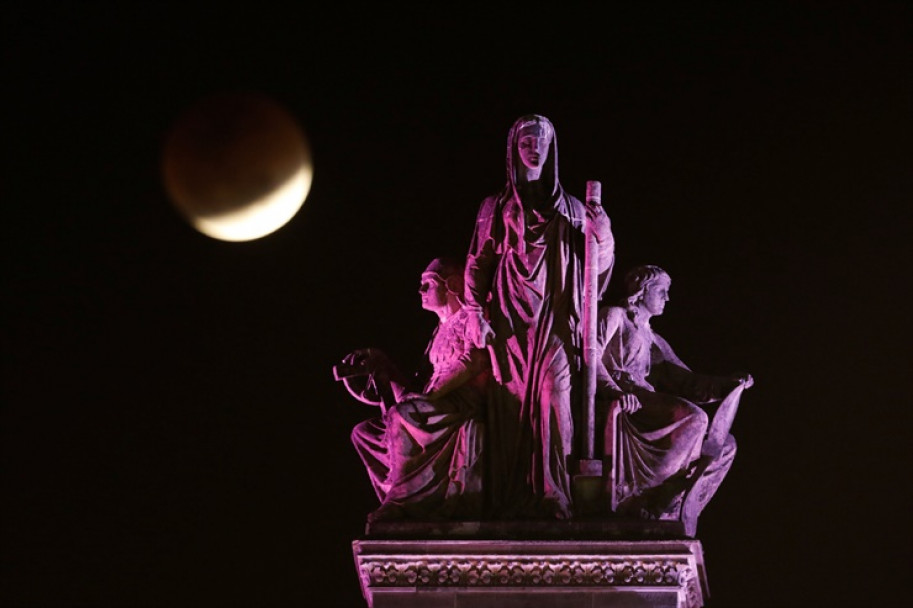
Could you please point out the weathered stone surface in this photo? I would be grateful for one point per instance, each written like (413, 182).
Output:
(560, 454)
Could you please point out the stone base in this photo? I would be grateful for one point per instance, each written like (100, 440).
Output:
(525, 565)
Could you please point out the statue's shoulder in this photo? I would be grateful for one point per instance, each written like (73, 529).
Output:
(575, 202)
(611, 313)
(452, 337)
(608, 320)
(575, 205)
(461, 320)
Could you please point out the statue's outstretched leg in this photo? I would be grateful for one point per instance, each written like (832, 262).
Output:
(705, 480)
(717, 454)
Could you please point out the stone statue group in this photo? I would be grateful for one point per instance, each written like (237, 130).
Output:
(497, 423)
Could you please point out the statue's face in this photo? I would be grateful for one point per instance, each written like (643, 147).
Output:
(433, 292)
(656, 294)
(533, 149)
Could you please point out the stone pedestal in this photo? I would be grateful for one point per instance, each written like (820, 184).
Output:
(513, 565)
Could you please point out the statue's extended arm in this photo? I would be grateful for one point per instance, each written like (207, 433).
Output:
(480, 263)
(670, 374)
(482, 256)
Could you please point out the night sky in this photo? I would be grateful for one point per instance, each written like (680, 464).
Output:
(170, 430)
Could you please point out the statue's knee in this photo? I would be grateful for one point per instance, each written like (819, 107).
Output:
(729, 447)
(699, 418)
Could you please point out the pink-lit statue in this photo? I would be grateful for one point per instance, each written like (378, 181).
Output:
(524, 282)
(424, 454)
(670, 458)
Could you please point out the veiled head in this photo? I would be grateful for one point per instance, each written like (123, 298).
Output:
(535, 125)
(532, 149)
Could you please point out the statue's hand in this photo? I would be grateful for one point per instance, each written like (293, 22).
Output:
(366, 374)
(479, 331)
(599, 220)
(744, 379)
(369, 361)
(629, 403)
(357, 360)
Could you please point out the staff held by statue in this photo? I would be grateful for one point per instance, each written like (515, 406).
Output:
(590, 303)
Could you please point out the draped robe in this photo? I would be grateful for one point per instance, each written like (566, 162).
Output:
(660, 444)
(525, 266)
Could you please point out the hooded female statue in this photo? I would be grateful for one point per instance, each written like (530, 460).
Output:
(524, 278)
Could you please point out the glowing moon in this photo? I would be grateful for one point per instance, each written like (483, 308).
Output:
(237, 166)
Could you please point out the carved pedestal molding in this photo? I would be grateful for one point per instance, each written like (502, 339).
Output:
(566, 574)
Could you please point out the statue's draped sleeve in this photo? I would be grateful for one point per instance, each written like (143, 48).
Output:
(483, 254)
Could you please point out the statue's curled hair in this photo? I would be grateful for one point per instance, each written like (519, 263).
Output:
(639, 278)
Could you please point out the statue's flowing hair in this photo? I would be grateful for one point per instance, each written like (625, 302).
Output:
(638, 279)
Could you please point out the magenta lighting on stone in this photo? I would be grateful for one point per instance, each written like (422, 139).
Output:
(553, 447)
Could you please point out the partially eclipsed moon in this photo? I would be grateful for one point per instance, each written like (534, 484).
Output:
(237, 166)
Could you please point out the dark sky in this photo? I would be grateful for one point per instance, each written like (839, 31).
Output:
(171, 431)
